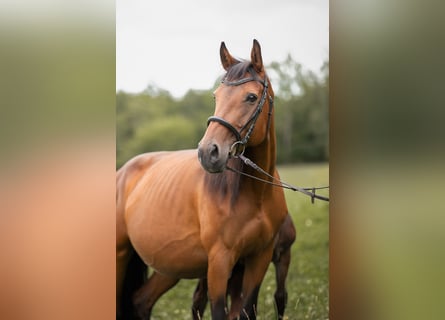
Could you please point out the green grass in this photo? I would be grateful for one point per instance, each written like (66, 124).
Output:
(307, 281)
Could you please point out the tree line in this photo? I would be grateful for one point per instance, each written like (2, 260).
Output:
(154, 120)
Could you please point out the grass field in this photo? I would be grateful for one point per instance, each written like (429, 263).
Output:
(307, 282)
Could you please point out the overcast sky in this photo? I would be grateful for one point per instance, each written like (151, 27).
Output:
(174, 44)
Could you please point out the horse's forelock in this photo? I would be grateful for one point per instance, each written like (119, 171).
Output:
(237, 71)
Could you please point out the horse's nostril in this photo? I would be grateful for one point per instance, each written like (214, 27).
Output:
(200, 155)
(214, 152)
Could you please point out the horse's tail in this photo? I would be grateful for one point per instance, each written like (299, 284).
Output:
(135, 277)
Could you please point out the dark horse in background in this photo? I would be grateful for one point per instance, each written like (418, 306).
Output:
(186, 215)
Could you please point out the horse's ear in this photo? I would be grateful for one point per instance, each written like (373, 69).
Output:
(255, 57)
(226, 58)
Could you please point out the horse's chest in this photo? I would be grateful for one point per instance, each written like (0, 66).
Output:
(250, 236)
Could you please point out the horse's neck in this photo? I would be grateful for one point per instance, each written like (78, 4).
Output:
(264, 156)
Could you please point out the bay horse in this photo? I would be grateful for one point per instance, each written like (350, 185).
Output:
(186, 215)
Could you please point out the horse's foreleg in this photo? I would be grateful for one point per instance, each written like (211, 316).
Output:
(255, 269)
(235, 290)
(218, 273)
(199, 299)
(145, 298)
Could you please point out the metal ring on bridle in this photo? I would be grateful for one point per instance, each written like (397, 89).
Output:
(234, 149)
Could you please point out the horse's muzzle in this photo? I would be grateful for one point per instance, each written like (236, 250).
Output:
(212, 157)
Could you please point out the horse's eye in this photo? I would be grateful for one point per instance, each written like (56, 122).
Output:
(251, 97)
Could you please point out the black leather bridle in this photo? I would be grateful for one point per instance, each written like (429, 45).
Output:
(240, 144)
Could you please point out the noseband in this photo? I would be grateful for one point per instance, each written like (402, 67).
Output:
(242, 142)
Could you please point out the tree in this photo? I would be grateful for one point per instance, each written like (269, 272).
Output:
(301, 111)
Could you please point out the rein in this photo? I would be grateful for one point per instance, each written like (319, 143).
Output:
(311, 192)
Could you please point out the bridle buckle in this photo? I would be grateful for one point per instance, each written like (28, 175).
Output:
(237, 149)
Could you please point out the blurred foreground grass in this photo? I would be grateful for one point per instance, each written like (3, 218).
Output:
(307, 281)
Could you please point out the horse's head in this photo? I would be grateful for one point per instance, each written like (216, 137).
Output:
(238, 121)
